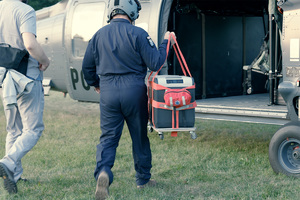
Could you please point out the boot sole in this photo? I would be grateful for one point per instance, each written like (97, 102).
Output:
(102, 186)
(9, 183)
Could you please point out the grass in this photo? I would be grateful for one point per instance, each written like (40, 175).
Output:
(228, 160)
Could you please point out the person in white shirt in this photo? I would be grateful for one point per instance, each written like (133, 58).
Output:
(25, 119)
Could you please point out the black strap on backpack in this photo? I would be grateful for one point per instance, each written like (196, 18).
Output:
(13, 58)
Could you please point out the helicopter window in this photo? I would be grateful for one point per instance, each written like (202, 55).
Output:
(87, 19)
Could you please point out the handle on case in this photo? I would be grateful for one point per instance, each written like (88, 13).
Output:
(4, 45)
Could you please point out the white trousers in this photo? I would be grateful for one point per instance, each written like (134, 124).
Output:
(24, 126)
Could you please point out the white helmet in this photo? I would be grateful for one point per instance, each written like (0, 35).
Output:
(130, 8)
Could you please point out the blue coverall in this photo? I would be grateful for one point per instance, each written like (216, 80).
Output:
(119, 53)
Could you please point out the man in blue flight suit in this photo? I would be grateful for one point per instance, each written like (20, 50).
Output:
(119, 53)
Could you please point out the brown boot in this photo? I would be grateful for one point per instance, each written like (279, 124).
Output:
(9, 182)
(102, 186)
(151, 183)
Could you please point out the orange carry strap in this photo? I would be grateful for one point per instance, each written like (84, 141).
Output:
(162, 105)
(179, 56)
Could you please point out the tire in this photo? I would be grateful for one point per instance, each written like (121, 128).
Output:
(284, 150)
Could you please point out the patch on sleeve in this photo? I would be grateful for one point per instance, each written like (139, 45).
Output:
(150, 41)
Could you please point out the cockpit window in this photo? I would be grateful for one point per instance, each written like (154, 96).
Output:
(87, 19)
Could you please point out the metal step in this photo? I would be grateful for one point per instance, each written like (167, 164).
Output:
(246, 108)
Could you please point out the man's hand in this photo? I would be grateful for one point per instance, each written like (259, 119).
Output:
(97, 89)
(167, 35)
(172, 39)
(35, 50)
(43, 67)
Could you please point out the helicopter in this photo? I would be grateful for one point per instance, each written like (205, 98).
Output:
(233, 48)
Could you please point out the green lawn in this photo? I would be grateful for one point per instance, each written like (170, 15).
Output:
(228, 160)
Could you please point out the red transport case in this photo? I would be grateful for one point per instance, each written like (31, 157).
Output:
(171, 100)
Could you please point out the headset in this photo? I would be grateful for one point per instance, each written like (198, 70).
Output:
(130, 8)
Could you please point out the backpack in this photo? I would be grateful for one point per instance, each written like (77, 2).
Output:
(13, 58)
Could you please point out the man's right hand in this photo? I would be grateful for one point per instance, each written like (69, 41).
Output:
(43, 67)
(35, 50)
(97, 89)
(167, 35)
